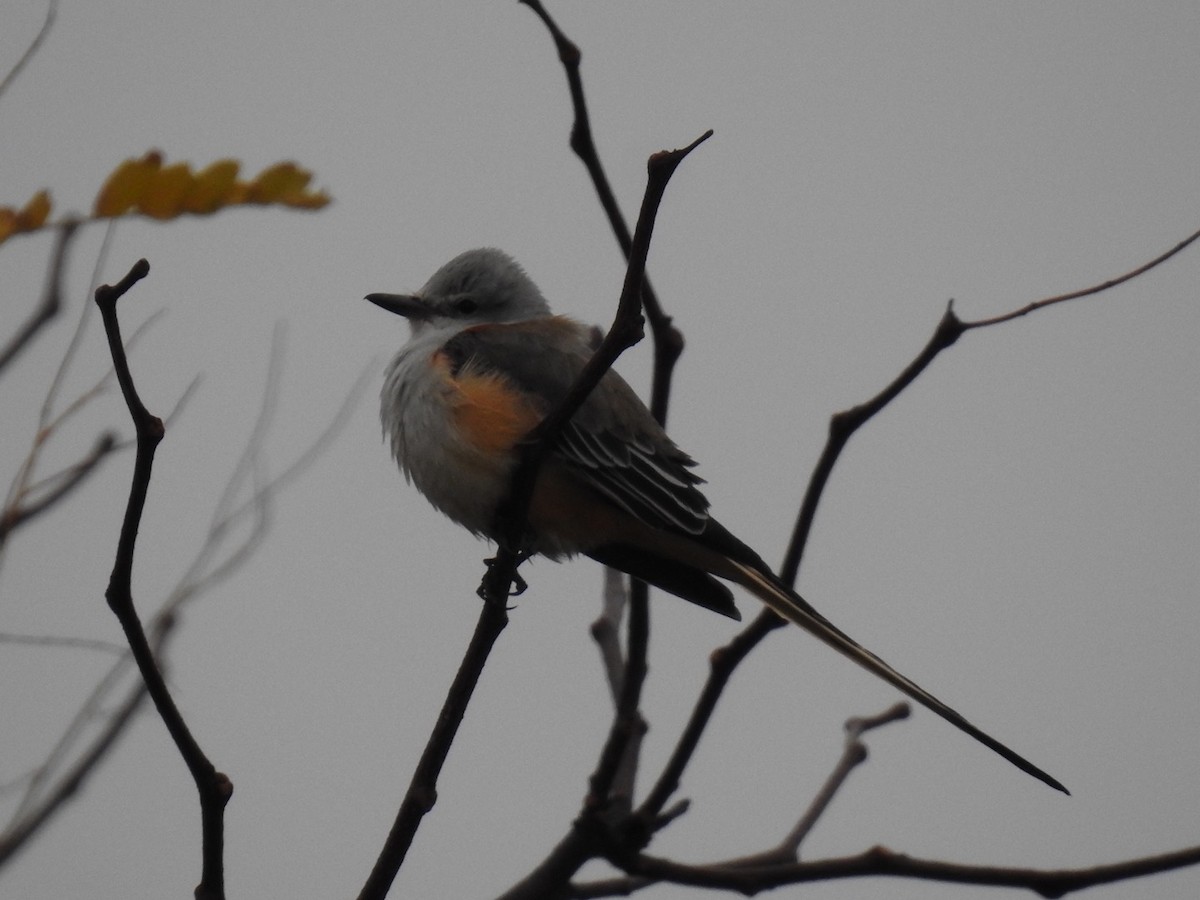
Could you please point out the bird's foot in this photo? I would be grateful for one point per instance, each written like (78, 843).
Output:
(519, 584)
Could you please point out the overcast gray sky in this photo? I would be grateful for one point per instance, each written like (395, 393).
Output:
(1018, 532)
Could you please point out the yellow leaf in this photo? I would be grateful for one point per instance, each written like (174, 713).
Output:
(276, 182)
(163, 197)
(307, 200)
(126, 185)
(8, 223)
(213, 188)
(35, 212)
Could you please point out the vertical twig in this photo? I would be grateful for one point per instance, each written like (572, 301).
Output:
(214, 787)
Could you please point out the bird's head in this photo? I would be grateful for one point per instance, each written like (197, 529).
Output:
(476, 287)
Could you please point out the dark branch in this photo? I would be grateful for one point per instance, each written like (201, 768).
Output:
(1088, 291)
(497, 583)
(626, 331)
(722, 664)
(668, 340)
(213, 787)
(881, 861)
(842, 427)
(844, 424)
(668, 346)
(550, 878)
(422, 789)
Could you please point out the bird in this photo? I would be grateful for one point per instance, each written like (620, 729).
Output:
(485, 362)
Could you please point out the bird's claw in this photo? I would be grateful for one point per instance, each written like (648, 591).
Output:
(519, 584)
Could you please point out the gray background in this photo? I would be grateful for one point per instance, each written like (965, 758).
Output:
(1018, 532)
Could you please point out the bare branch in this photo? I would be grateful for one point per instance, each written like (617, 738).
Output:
(32, 49)
(422, 789)
(843, 425)
(32, 816)
(668, 341)
(606, 629)
(882, 861)
(56, 487)
(16, 505)
(42, 798)
(854, 754)
(51, 300)
(50, 640)
(722, 664)
(1088, 291)
(214, 787)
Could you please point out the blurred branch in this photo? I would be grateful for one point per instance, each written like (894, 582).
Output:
(606, 631)
(14, 512)
(56, 487)
(51, 300)
(68, 643)
(34, 46)
(49, 788)
(31, 817)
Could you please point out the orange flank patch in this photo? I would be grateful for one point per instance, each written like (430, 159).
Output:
(489, 413)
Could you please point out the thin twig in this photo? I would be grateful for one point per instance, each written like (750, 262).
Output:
(44, 797)
(1088, 291)
(34, 816)
(854, 754)
(51, 301)
(607, 628)
(69, 643)
(57, 487)
(950, 328)
(85, 313)
(34, 45)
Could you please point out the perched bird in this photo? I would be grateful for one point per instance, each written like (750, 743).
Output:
(486, 362)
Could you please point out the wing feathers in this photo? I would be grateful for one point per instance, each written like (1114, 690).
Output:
(612, 443)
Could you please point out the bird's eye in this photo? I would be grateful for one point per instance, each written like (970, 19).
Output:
(465, 305)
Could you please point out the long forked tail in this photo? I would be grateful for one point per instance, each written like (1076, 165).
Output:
(795, 609)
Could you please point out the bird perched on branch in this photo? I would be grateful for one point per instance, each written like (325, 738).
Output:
(485, 363)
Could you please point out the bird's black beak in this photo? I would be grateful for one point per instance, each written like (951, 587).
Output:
(408, 305)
